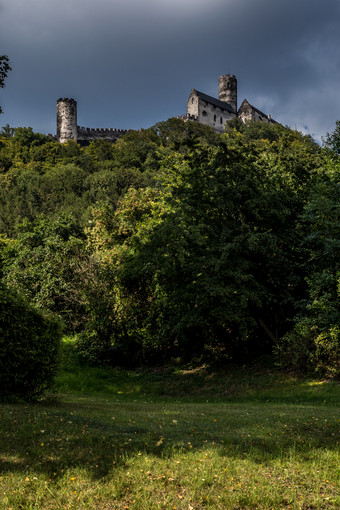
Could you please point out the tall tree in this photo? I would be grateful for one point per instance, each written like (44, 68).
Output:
(332, 140)
(4, 69)
(210, 259)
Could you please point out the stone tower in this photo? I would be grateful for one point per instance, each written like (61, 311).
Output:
(227, 90)
(66, 120)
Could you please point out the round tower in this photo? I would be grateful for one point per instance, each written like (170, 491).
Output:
(227, 90)
(66, 120)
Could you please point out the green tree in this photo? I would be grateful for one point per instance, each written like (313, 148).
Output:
(332, 140)
(210, 258)
(29, 346)
(4, 70)
(47, 264)
(314, 342)
(7, 131)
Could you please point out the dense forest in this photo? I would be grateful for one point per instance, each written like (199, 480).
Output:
(173, 243)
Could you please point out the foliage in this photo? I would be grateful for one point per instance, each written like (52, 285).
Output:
(178, 241)
(137, 150)
(4, 70)
(314, 342)
(200, 264)
(7, 131)
(29, 345)
(47, 264)
(40, 176)
(182, 136)
(332, 140)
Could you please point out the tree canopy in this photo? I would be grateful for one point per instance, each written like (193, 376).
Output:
(178, 242)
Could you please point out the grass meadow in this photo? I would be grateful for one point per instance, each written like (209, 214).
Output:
(239, 438)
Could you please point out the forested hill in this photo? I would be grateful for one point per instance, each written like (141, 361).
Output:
(178, 242)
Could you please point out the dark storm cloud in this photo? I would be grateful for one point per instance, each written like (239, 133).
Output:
(131, 63)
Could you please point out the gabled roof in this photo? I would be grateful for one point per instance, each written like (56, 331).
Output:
(256, 110)
(214, 101)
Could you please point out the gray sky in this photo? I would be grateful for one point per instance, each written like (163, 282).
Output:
(132, 63)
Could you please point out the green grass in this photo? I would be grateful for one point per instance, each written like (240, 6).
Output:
(235, 439)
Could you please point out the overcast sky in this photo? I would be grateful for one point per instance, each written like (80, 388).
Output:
(132, 63)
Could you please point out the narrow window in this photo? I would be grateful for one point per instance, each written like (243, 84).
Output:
(221, 120)
(214, 118)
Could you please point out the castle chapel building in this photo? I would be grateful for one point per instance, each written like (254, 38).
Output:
(200, 108)
(216, 112)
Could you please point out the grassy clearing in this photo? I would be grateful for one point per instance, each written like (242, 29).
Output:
(174, 439)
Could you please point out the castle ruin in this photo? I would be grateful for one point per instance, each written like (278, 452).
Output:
(201, 108)
(67, 128)
(216, 112)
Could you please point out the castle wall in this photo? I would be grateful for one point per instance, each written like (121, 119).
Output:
(207, 113)
(67, 128)
(216, 112)
(213, 116)
(192, 104)
(187, 117)
(259, 117)
(86, 135)
(248, 113)
(245, 112)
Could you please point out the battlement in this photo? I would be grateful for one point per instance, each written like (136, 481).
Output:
(86, 135)
(66, 100)
(67, 128)
(108, 131)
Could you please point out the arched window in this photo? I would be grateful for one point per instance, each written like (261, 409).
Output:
(204, 113)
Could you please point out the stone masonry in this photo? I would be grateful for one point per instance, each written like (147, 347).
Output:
(67, 128)
(216, 112)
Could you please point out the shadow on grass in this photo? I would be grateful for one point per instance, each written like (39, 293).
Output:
(99, 436)
(237, 384)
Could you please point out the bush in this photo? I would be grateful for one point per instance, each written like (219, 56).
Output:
(327, 352)
(309, 348)
(29, 345)
(294, 349)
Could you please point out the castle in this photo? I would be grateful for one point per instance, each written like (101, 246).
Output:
(67, 128)
(216, 112)
(200, 108)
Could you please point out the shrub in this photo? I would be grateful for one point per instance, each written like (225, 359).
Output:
(327, 352)
(309, 348)
(29, 344)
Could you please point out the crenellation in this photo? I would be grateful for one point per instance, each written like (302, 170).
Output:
(67, 128)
